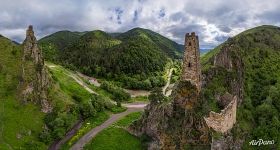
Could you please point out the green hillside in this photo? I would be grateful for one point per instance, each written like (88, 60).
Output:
(57, 41)
(255, 56)
(171, 48)
(20, 123)
(131, 58)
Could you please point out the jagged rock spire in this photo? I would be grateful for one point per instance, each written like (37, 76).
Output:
(31, 49)
(34, 74)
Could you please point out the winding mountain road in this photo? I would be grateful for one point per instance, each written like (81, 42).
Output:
(115, 117)
(57, 144)
(132, 107)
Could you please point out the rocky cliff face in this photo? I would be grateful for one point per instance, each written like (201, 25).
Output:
(228, 59)
(174, 124)
(179, 123)
(35, 81)
(228, 68)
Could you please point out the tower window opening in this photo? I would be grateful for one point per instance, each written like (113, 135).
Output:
(190, 44)
(189, 64)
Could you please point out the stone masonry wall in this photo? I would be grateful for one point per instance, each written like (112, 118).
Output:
(191, 63)
(224, 121)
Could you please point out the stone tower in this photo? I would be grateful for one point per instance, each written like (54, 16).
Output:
(191, 63)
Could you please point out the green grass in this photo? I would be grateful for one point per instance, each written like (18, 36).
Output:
(75, 91)
(20, 123)
(115, 109)
(68, 84)
(116, 137)
(99, 90)
(88, 124)
(19, 120)
(139, 99)
(127, 120)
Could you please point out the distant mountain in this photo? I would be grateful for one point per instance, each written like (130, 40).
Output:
(115, 34)
(99, 53)
(135, 52)
(56, 42)
(61, 39)
(204, 50)
(171, 48)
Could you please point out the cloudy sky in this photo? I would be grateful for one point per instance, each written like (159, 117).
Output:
(213, 20)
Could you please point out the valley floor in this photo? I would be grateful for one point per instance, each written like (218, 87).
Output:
(87, 137)
(115, 117)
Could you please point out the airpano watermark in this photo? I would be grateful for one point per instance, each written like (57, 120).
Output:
(261, 142)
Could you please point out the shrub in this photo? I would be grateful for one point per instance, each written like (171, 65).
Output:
(45, 136)
(157, 96)
(1, 67)
(57, 123)
(98, 103)
(14, 52)
(87, 110)
(118, 94)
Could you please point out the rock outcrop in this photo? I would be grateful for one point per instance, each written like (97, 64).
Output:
(171, 126)
(229, 58)
(182, 122)
(178, 124)
(35, 81)
(227, 63)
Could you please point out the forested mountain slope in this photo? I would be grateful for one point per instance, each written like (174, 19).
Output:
(248, 65)
(129, 57)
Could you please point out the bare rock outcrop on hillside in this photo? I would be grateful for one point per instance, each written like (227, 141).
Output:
(184, 122)
(35, 80)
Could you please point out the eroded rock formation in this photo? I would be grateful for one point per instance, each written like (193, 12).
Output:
(35, 81)
(178, 124)
(229, 58)
(182, 122)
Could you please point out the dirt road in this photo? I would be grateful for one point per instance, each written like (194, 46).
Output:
(57, 144)
(115, 117)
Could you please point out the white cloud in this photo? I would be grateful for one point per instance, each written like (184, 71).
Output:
(213, 21)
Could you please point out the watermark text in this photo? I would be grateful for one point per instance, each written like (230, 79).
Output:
(261, 142)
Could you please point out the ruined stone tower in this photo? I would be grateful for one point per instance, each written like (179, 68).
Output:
(191, 63)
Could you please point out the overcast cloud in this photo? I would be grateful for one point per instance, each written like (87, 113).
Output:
(214, 21)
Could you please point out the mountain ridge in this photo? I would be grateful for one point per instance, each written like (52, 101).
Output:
(125, 56)
(246, 67)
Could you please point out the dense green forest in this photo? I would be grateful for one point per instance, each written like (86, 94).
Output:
(57, 42)
(258, 115)
(136, 58)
